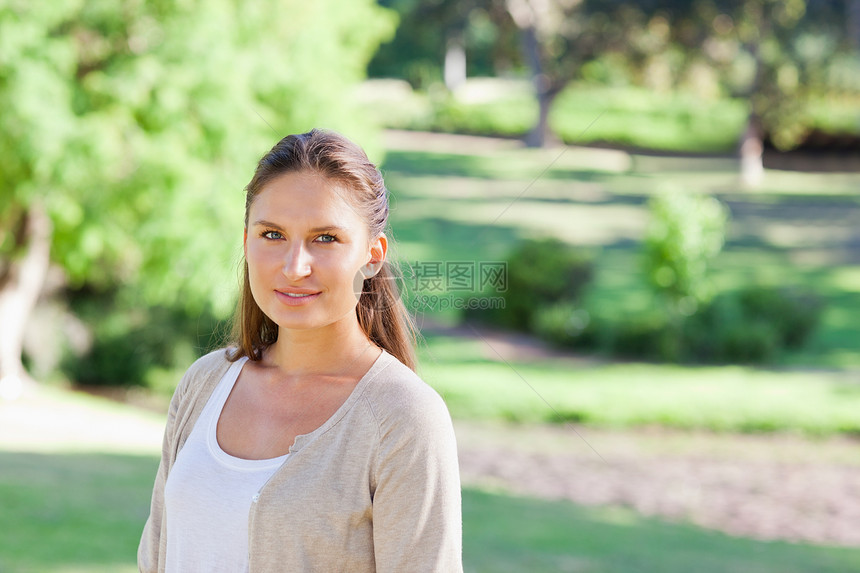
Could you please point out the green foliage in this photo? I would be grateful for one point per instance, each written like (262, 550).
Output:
(547, 279)
(786, 63)
(129, 341)
(628, 115)
(568, 324)
(508, 117)
(755, 325)
(138, 125)
(752, 325)
(417, 51)
(686, 232)
(541, 272)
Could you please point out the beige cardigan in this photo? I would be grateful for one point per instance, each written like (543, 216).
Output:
(375, 488)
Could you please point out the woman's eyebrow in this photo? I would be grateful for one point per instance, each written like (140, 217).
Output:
(323, 229)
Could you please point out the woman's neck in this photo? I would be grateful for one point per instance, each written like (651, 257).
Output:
(318, 351)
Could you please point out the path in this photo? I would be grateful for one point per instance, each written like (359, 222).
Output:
(765, 487)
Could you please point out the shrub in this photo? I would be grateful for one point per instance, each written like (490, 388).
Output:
(752, 325)
(686, 232)
(793, 314)
(129, 342)
(568, 324)
(645, 338)
(541, 273)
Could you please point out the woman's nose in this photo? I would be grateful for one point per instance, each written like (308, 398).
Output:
(298, 263)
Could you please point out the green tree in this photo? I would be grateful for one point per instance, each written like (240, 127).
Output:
(130, 128)
(777, 55)
(560, 36)
(430, 31)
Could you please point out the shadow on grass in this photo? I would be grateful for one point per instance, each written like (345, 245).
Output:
(85, 512)
(425, 163)
(451, 240)
(430, 163)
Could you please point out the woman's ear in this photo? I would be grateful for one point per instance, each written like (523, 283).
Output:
(378, 250)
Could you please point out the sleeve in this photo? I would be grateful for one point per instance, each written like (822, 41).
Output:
(417, 515)
(150, 554)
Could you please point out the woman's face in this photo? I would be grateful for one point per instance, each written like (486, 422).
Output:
(306, 247)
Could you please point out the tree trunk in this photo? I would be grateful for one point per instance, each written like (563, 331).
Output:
(541, 134)
(527, 16)
(853, 23)
(21, 281)
(751, 145)
(455, 63)
(751, 149)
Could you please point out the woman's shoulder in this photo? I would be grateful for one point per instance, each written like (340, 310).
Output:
(398, 392)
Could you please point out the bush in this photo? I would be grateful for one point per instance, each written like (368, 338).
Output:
(129, 342)
(568, 324)
(645, 338)
(794, 314)
(752, 325)
(541, 273)
(686, 232)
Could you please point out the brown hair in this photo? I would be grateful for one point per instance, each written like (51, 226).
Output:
(380, 310)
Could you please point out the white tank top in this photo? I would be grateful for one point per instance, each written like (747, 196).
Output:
(208, 495)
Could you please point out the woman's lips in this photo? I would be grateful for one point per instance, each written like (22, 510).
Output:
(297, 298)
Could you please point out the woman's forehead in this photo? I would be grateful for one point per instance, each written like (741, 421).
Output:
(304, 197)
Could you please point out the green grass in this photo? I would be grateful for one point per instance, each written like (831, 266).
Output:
(65, 513)
(512, 534)
(476, 384)
(83, 513)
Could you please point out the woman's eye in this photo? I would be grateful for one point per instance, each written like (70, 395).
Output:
(273, 235)
(326, 238)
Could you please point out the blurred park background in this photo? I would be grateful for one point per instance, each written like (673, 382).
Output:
(630, 232)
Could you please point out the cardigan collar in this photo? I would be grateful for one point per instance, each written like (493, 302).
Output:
(381, 362)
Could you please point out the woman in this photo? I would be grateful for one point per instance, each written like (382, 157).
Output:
(310, 444)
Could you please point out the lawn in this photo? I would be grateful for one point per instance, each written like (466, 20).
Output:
(79, 507)
(507, 534)
(477, 382)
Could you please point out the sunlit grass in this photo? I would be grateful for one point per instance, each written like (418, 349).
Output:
(476, 384)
